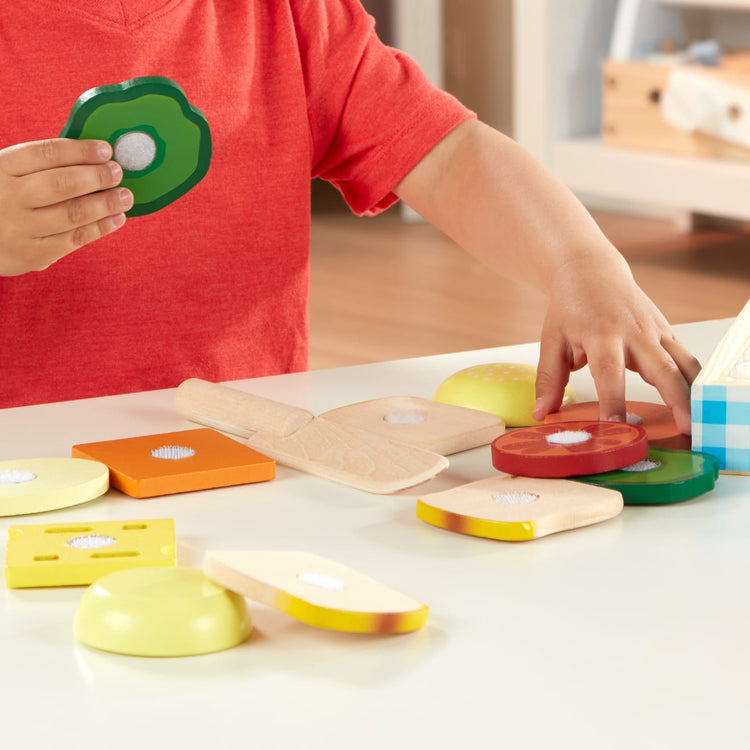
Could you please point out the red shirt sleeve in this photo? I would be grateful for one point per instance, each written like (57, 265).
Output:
(373, 113)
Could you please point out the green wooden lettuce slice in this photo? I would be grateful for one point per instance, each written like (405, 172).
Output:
(162, 142)
(665, 476)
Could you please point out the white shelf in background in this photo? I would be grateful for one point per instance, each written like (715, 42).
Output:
(710, 4)
(559, 50)
(706, 186)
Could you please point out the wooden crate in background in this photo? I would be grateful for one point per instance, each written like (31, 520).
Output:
(632, 118)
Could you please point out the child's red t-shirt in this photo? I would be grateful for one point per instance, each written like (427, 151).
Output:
(215, 284)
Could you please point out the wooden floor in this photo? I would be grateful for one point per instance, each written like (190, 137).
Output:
(384, 289)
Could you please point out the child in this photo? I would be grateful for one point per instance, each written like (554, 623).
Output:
(215, 284)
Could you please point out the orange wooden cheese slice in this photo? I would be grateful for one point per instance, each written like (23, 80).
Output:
(173, 462)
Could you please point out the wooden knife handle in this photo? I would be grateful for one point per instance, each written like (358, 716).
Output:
(237, 412)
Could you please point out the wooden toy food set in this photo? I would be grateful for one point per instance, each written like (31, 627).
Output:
(546, 466)
(382, 455)
(138, 601)
(536, 499)
(557, 476)
(185, 611)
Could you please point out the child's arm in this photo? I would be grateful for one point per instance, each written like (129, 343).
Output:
(55, 196)
(507, 210)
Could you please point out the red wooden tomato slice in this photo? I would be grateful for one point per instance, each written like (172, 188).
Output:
(568, 449)
(656, 419)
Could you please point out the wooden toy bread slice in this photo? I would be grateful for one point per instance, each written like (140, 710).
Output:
(162, 142)
(161, 612)
(569, 448)
(294, 437)
(316, 591)
(36, 485)
(516, 509)
(664, 476)
(76, 554)
(442, 428)
(171, 462)
(656, 419)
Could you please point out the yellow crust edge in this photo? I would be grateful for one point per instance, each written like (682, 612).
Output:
(504, 531)
(351, 622)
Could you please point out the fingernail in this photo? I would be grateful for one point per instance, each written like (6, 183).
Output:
(126, 198)
(116, 170)
(118, 220)
(537, 409)
(104, 150)
(614, 418)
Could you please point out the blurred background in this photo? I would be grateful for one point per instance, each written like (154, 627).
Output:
(583, 85)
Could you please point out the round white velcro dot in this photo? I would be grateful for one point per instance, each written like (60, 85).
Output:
(515, 498)
(91, 541)
(569, 437)
(631, 418)
(404, 417)
(645, 465)
(135, 151)
(16, 476)
(322, 581)
(173, 452)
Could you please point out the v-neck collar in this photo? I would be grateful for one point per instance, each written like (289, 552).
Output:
(124, 13)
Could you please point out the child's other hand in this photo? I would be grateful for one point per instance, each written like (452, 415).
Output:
(598, 315)
(55, 196)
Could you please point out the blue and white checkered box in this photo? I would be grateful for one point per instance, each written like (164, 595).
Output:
(721, 424)
(720, 399)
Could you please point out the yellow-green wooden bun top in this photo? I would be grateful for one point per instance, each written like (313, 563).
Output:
(504, 389)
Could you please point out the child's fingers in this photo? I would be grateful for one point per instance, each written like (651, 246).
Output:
(51, 249)
(54, 186)
(553, 372)
(688, 365)
(607, 366)
(667, 371)
(81, 211)
(38, 156)
(55, 196)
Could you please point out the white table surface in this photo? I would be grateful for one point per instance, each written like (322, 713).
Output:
(634, 633)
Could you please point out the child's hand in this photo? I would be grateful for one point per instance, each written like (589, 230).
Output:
(597, 314)
(55, 196)
(517, 218)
